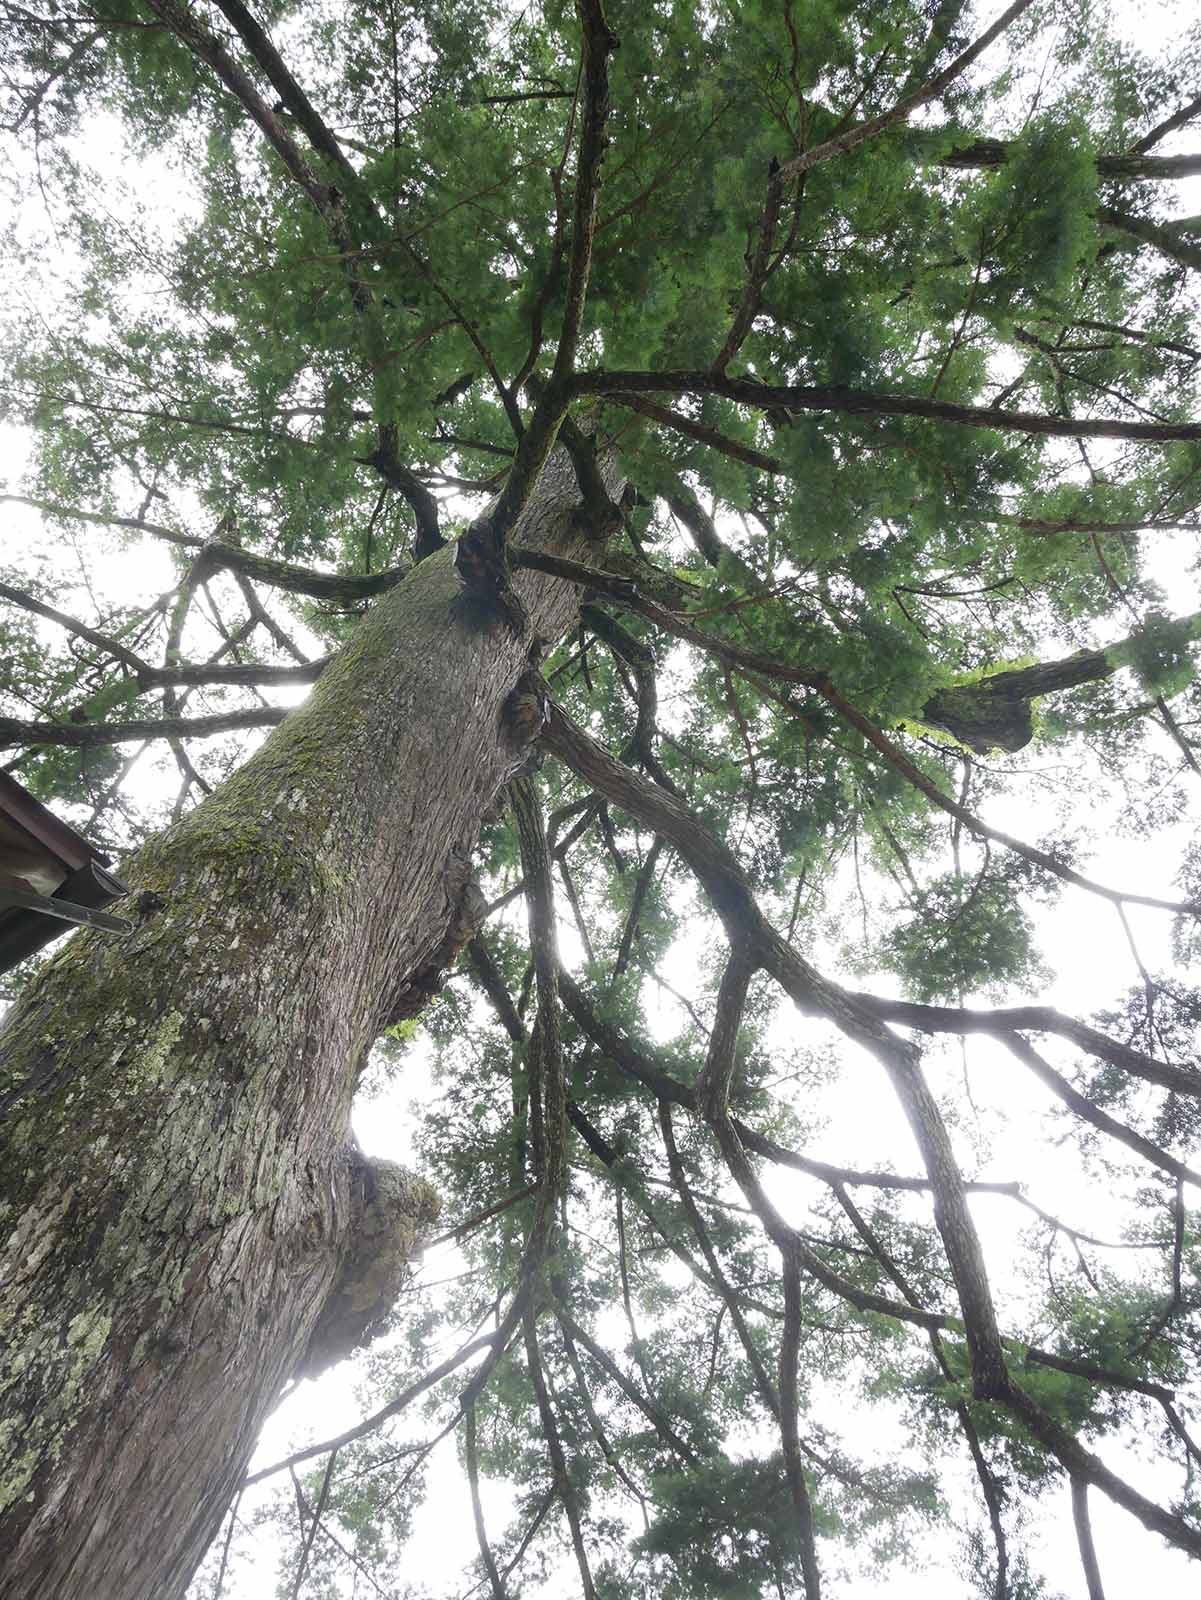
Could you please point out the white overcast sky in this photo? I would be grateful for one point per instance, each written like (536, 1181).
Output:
(1084, 947)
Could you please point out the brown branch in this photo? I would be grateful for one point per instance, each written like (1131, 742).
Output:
(103, 642)
(471, 1461)
(1090, 1113)
(221, 556)
(564, 1487)
(318, 1510)
(726, 887)
(203, 44)
(613, 1372)
(730, 1299)
(386, 461)
(984, 153)
(1084, 1538)
(759, 267)
(638, 1064)
(627, 594)
(544, 1058)
(90, 736)
(1033, 1019)
(794, 1471)
(598, 43)
(712, 437)
(839, 398)
(897, 758)
(607, 1450)
(989, 1486)
(377, 1419)
(642, 884)
(293, 97)
(480, 552)
(1165, 240)
(930, 90)
(1178, 118)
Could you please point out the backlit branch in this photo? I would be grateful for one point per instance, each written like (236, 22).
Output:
(930, 90)
(726, 887)
(844, 401)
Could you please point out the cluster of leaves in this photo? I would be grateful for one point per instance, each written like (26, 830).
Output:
(207, 361)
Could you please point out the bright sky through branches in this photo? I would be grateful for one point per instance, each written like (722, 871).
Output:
(322, 371)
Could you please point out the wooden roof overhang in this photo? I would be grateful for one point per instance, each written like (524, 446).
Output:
(50, 877)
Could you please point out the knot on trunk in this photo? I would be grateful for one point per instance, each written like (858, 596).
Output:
(984, 719)
(466, 908)
(393, 1213)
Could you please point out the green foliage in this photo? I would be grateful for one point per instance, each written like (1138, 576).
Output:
(187, 338)
(962, 939)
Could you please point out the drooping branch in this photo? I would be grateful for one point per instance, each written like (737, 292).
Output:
(727, 889)
(1093, 1114)
(633, 1394)
(377, 1419)
(750, 663)
(181, 675)
(561, 1477)
(103, 642)
(700, 525)
(548, 1097)
(700, 431)
(990, 1487)
(638, 1063)
(794, 1469)
(730, 1299)
(897, 759)
(583, 1393)
(713, 1091)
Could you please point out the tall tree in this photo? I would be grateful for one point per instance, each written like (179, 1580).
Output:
(686, 449)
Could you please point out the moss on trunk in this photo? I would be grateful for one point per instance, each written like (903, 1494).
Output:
(179, 1196)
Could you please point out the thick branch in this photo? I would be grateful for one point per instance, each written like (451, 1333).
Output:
(860, 402)
(1165, 240)
(1033, 1019)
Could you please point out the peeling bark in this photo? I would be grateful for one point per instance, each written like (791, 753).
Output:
(185, 1217)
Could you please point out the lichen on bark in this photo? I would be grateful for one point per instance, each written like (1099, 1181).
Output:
(176, 1181)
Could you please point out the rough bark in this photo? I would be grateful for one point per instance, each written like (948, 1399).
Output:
(997, 712)
(182, 1207)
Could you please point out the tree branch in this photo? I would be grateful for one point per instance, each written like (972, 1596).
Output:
(930, 90)
(861, 402)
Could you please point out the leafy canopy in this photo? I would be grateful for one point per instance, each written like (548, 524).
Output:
(296, 304)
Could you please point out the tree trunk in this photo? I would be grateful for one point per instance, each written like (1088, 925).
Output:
(182, 1205)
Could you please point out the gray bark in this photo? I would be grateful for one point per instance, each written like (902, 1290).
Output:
(182, 1207)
